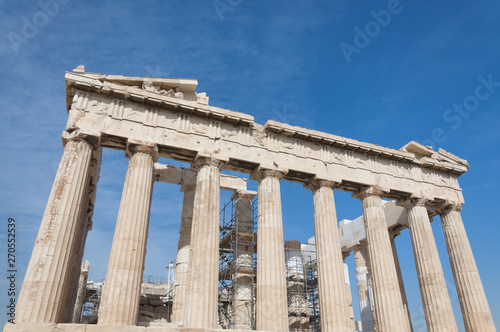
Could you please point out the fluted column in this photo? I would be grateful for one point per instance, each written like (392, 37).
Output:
(85, 227)
(272, 307)
(182, 262)
(362, 280)
(202, 285)
(81, 293)
(435, 299)
(48, 272)
(390, 315)
(400, 276)
(475, 309)
(122, 287)
(333, 299)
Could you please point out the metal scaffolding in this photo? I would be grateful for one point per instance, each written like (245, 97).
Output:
(237, 264)
(91, 303)
(312, 293)
(169, 297)
(302, 287)
(155, 302)
(237, 273)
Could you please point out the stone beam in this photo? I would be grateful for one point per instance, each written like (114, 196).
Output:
(186, 176)
(353, 231)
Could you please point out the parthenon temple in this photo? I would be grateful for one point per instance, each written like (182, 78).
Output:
(236, 271)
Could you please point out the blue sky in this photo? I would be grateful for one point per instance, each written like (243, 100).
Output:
(398, 81)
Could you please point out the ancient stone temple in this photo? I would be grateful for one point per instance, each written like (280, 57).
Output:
(152, 117)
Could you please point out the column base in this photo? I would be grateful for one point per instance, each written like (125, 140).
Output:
(51, 327)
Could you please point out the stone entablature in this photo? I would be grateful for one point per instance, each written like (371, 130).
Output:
(118, 108)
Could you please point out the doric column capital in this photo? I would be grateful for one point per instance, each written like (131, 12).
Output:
(446, 207)
(76, 135)
(411, 202)
(317, 183)
(203, 160)
(260, 173)
(134, 147)
(369, 191)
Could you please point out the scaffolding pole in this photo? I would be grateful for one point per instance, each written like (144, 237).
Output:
(301, 278)
(237, 264)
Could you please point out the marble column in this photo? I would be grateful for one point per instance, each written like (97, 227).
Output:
(202, 285)
(333, 300)
(182, 262)
(49, 270)
(400, 276)
(122, 287)
(272, 307)
(244, 260)
(82, 292)
(475, 309)
(86, 226)
(362, 280)
(435, 299)
(390, 315)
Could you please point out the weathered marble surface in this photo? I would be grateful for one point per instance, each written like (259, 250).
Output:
(118, 109)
